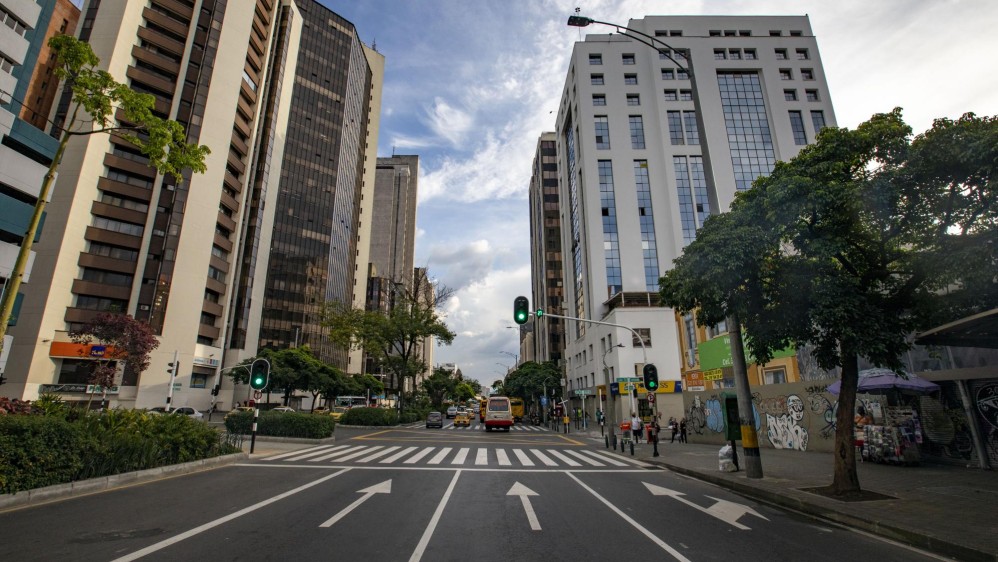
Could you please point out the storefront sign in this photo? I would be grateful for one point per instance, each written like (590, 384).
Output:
(713, 375)
(98, 389)
(716, 353)
(694, 381)
(664, 387)
(206, 362)
(97, 350)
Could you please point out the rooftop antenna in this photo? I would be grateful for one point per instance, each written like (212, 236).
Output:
(578, 10)
(374, 45)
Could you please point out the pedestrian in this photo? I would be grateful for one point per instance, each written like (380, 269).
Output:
(636, 427)
(656, 426)
(682, 430)
(674, 428)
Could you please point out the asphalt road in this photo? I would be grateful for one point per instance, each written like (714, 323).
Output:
(434, 495)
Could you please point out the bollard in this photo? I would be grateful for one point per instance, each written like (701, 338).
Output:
(607, 439)
(613, 439)
(256, 414)
(632, 448)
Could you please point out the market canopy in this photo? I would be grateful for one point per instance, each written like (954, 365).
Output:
(874, 380)
(979, 330)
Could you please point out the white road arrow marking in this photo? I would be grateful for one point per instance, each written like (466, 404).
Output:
(726, 511)
(525, 493)
(383, 488)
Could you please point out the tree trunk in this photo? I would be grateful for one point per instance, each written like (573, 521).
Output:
(846, 480)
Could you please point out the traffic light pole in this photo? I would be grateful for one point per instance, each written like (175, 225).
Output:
(174, 370)
(644, 352)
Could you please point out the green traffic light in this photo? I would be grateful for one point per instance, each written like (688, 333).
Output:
(521, 310)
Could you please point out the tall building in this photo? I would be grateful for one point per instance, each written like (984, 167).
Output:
(393, 236)
(60, 17)
(645, 155)
(313, 257)
(548, 338)
(119, 237)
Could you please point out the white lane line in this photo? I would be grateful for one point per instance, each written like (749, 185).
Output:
(415, 458)
(398, 455)
(379, 454)
(439, 457)
(360, 453)
(675, 553)
(449, 426)
(428, 533)
(584, 458)
(544, 458)
(524, 459)
(304, 452)
(212, 524)
(605, 458)
(461, 456)
(482, 458)
(625, 459)
(349, 449)
(503, 457)
(563, 458)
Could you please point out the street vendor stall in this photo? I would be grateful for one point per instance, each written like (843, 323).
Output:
(891, 436)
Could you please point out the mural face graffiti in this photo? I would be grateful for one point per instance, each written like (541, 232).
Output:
(784, 431)
(696, 418)
(826, 409)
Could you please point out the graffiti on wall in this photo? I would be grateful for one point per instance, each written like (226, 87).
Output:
(696, 417)
(715, 417)
(785, 431)
(986, 399)
(823, 408)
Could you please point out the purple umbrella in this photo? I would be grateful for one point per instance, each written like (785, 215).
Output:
(872, 380)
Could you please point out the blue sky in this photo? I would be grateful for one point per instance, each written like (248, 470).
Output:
(470, 84)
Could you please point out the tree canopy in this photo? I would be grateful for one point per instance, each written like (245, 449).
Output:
(865, 237)
(124, 339)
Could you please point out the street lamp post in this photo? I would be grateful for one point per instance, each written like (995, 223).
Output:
(750, 444)
(609, 402)
(516, 358)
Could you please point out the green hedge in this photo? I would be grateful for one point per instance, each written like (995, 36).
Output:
(282, 424)
(40, 450)
(370, 416)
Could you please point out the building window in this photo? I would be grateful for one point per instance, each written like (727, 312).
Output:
(692, 133)
(812, 95)
(682, 74)
(719, 54)
(649, 247)
(596, 79)
(599, 99)
(781, 54)
(595, 58)
(790, 95)
(818, 120)
(802, 54)
(671, 95)
(750, 54)
(691, 191)
(627, 58)
(199, 380)
(795, 33)
(807, 74)
(685, 95)
(735, 54)
(797, 126)
(602, 132)
(611, 242)
(776, 376)
(786, 74)
(633, 99)
(637, 131)
(674, 119)
(668, 74)
(644, 334)
(714, 33)
(631, 79)
(747, 125)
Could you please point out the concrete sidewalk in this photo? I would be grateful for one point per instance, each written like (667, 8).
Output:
(948, 510)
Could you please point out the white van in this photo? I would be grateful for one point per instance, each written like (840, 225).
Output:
(498, 414)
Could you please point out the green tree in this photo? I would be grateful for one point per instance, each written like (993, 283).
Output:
(125, 340)
(439, 386)
(872, 236)
(463, 391)
(97, 101)
(394, 337)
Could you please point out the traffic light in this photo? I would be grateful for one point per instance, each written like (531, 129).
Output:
(173, 367)
(651, 378)
(521, 310)
(259, 374)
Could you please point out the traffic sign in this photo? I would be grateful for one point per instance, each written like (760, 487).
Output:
(651, 398)
(629, 379)
(583, 392)
(258, 395)
(544, 401)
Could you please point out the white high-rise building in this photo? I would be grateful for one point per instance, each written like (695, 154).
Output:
(645, 154)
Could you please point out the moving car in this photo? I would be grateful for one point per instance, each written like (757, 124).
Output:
(462, 418)
(434, 419)
(189, 412)
(337, 412)
(451, 412)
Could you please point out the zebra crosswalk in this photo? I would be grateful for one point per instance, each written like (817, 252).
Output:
(454, 456)
(478, 427)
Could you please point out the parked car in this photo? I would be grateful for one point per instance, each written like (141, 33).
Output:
(451, 412)
(189, 412)
(158, 410)
(283, 409)
(434, 419)
(238, 409)
(321, 410)
(337, 412)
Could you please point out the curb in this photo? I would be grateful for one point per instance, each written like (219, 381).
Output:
(912, 538)
(58, 492)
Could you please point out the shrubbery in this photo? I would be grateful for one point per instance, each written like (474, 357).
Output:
(282, 424)
(370, 416)
(71, 445)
